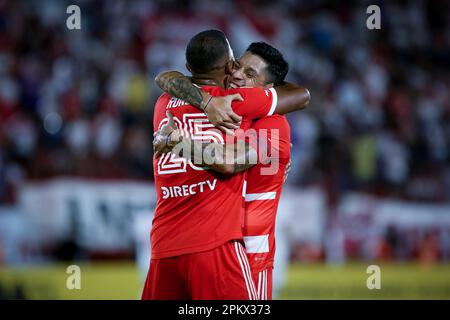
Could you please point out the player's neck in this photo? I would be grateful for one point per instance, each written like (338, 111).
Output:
(207, 80)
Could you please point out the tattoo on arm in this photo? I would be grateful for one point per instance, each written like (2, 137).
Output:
(178, 85)
(215, 155)
(194, 150)
(245, 157)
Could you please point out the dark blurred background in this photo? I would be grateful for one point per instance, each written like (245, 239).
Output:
(371, 152)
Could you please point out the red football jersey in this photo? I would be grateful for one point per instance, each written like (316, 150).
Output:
(263, 186)
(198, 209)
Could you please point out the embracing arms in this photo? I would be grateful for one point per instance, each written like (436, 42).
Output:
(217, 109)
(222, 158)
(291, 98)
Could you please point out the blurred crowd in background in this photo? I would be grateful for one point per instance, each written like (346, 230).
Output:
(79, 102)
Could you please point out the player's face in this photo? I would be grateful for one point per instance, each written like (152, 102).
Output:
(249, 71)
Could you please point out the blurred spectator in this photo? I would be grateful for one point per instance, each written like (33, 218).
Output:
(429, 249)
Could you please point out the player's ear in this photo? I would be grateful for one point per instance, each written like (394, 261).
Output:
(229, 67)
(268, 85)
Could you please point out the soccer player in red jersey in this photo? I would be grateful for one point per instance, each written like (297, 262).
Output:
(196, 236)
(263, 66)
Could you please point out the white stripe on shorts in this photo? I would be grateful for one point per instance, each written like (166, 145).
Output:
(248, 282)
(262, 285)
(265, 286)
(247, 268)
(259, 285)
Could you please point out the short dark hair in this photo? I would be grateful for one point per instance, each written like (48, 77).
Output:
(206, 50)
(277, 66)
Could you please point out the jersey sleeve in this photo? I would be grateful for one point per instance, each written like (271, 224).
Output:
(257, 102)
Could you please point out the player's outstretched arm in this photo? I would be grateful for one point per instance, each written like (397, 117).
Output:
(217, 109)
(291, 97)
(222, 158)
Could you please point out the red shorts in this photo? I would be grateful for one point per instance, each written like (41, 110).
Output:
(222, 273)
(263, 283)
